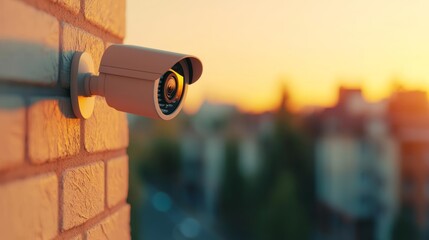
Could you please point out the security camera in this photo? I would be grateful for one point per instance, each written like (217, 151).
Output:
(143, 81)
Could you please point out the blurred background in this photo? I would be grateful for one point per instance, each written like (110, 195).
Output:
(310, 121)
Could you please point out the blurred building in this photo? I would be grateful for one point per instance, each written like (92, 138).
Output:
(356, 169)
(409, 117)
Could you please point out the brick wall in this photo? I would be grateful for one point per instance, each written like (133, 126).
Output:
(60, 177)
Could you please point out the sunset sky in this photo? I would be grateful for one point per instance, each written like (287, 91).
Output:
(249, 48)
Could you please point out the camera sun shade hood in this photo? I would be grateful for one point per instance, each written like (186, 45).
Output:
(146, 63)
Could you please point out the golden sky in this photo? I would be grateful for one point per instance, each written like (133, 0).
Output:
(248, 48)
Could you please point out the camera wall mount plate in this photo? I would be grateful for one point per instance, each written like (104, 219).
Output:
(82, 68)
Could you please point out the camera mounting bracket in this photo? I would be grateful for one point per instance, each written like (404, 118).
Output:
(82, 69)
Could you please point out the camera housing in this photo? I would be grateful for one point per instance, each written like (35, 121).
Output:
(143, 81)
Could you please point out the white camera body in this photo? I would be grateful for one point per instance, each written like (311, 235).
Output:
(138, 80)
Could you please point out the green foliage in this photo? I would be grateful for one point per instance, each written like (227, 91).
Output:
(405, 226)
(162, 163)
(154, 156)
(286, 182)
(284, 216)
(231, 203)
(277, 203)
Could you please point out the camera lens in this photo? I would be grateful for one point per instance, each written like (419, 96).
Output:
(170, 91)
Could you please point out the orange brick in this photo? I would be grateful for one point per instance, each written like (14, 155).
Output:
(107, 129)
(83, 194)
(116, 226)
(78, 237)
(117, 180)
(12, 125)
(53, 131)
(75, 39)
(107, 14)
(31, 37)
(71, 5)
(29, 208)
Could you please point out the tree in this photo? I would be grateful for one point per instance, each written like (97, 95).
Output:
(405, 226)
(284, 216)
(232, 199)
